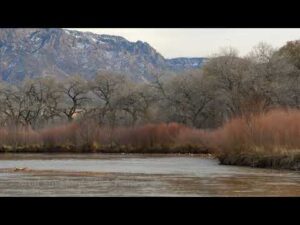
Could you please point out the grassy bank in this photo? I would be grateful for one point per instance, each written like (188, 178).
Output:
(283, 161)
(269, 140)
(184, 149)
(88, 137)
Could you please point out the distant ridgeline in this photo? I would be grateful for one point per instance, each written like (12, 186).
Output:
(61, 53)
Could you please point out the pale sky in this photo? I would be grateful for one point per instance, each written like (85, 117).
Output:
(201, 42)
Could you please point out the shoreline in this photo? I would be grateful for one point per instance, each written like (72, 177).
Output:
(279, 161)
(159, 149)
(254, 160)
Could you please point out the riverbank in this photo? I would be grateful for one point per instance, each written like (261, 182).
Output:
(280, 161)
(290, 161)
(159, 149)
(267, 140)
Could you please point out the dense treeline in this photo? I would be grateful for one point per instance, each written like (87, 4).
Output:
(226, 86)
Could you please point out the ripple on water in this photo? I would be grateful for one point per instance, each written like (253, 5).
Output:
(138, 175)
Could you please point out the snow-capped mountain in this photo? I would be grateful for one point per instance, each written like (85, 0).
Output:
(62, 53)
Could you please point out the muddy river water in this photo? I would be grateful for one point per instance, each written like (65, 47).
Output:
(137, 175)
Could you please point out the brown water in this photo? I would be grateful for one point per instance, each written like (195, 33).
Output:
(138, 175)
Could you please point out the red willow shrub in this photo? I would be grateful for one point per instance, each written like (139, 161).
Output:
(273, 131)
(277, 130)
(16, 136)
(64, 134)
(147, 135)
(78, 134)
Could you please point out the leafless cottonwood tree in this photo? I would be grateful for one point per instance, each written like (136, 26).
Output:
(12, 104)
(75, 92)
(106, 88)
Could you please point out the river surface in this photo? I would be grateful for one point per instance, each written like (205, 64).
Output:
(138, 175)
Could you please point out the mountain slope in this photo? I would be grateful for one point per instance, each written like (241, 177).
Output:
(62, 53)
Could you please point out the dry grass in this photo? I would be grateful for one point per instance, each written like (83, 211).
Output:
(269, 139)
(277, 131)
(87, 136)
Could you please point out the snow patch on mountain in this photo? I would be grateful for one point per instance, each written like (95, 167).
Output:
(63, 52)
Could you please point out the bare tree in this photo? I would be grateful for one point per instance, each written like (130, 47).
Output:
(75, 92)
(225, 74)
(106, 87)
(12, 104)
(136, 100)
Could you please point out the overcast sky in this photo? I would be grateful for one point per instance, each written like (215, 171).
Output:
(201, 42)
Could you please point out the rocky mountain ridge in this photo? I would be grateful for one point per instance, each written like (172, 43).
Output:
(61, 53)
